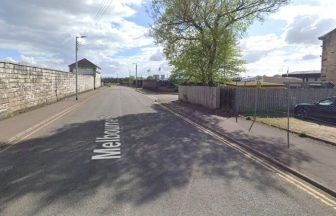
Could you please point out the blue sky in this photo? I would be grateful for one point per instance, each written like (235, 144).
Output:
(42, 33)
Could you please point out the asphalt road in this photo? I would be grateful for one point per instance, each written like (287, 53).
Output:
(166, 167)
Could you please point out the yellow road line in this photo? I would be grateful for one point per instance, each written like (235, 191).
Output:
(17, 136)
(30, 131)
(290, 179)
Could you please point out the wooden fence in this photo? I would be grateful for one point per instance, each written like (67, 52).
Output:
(202, 95)
(242, 100)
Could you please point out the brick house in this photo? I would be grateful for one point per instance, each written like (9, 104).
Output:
(328, 70)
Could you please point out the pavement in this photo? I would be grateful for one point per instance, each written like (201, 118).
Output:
(312, 158)
(313, 129)
(167, 166)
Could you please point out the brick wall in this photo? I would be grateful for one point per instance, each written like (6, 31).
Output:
(23, 86)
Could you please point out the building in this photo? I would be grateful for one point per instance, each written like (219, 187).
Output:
(328, 65)
(282, 80)
(306, 76)
(156, 76)
(85, 67)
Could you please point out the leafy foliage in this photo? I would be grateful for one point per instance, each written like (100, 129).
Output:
(200, 37)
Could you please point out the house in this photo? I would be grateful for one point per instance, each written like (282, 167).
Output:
(306, 76)
(85, 67)
(328, 65)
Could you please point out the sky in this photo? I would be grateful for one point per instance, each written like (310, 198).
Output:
(42, 33)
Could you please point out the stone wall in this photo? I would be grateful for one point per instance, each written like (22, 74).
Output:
(23, 86)
(328, 71)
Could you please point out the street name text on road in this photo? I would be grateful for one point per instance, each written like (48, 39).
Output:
(109, 146)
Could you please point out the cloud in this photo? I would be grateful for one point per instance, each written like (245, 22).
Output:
(309, 57)
(9, 59)
(254, 56)
(28, 60)
(307, 29)
(157, 56)
(294, 44)
(43, 32)
(262, 42)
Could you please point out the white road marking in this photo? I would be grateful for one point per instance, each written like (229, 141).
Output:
(109, 146)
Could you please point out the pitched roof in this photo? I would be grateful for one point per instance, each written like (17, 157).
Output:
(84, 63)
(325, 35)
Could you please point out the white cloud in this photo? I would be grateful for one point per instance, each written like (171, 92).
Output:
(9, 59)
(44, 31)
(307, 29)
(297, 47)
(28, 60)
(324, 9)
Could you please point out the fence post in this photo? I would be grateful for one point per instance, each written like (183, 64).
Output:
(235, 103)
(255, 104)
(288, 98)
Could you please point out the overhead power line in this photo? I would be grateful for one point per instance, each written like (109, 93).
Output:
(103, 10)
(103, 3)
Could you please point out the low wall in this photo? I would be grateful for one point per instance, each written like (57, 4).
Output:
(23, 86)
(202, 95)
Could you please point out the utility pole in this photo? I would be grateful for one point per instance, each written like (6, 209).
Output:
(129, 77)
(136, 75)
(77, 64)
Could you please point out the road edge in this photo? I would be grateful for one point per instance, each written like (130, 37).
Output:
(275, 162)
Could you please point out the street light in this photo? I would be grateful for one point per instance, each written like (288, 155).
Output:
(77, 64)
(136, 75)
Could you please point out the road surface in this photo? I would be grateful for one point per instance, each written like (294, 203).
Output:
(120, 153)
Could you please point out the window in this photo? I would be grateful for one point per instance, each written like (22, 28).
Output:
(326, 102)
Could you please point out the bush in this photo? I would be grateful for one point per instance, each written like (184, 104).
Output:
(302, 134)
(248, 118)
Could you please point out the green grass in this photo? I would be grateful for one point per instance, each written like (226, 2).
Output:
(302, 134)
(248, 118)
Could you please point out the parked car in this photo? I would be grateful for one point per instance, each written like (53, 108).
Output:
(322, 110)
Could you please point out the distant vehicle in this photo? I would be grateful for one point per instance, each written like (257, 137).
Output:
(323, 110)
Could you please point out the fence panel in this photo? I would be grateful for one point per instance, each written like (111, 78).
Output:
(269, 100)
(202, 95)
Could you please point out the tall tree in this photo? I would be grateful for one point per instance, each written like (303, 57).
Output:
(200, 36)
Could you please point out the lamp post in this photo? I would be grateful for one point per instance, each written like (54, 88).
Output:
(136, 75)
(77, 64)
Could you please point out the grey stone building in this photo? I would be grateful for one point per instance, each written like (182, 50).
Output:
(85, 67)
(328, 67)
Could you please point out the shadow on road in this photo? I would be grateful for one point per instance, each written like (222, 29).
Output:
(269, 142)
(159, 153)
